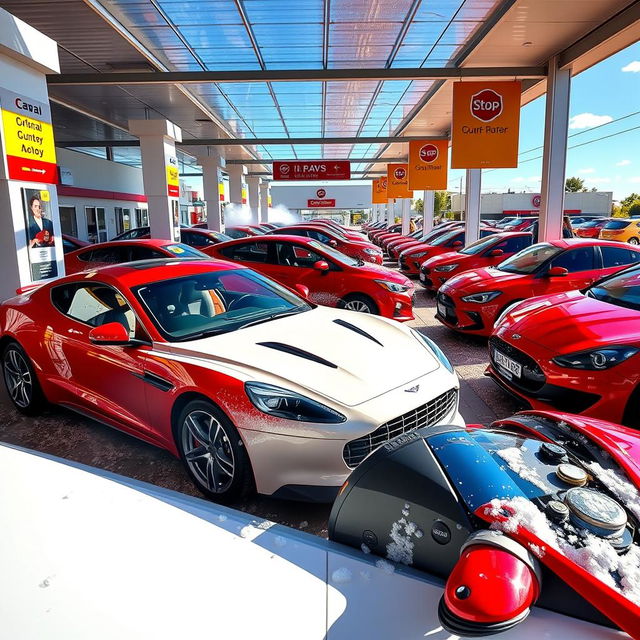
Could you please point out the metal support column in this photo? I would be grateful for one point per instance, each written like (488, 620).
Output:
(237, 185)
(472, 205)
(390, 211)
(406, 215)
(212, 166)
(264, 202)
(554, 155)
(253, 190)
(428, 201)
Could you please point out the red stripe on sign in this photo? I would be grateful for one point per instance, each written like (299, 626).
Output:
(173, 190)
(315, 204)
(32, 170)
(80, 192)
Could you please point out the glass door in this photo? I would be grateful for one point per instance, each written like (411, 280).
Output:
(68, 222)
(96, 224)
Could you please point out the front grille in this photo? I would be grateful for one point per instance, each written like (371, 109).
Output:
(403, 264)
(533, 378)
(449, 308)
(426, 415)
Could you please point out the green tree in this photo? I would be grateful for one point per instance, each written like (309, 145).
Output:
(634, 208)
(442, 201)
(629, 200)
(572, 185)
(418, 205)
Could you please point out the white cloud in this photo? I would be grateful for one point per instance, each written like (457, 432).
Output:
(623, 163)
(596, 181)
(635, 179)
(633, 67)
(587, 120)
(521, 179)
(589, 170)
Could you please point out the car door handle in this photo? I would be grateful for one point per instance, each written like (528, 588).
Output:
(74, 331)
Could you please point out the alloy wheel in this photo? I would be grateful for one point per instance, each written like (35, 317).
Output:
(207, 451)
(357, 305)
(18, 378)
(634, 241)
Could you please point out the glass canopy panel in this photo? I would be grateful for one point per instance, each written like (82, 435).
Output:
(369, 10)
(308, 151)
(199, 12)
(282, 11)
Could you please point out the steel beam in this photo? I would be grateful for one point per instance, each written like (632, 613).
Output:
(291, 75)
(352, 160)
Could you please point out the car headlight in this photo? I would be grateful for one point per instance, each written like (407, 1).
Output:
(422, 254)
(596, 359)
(372, 252)
(393, 286)
(437, 351)
(480, 298)
(507, 310)
(282, 403)
(447, 267)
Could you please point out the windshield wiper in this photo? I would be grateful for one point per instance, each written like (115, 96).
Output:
(273, 316)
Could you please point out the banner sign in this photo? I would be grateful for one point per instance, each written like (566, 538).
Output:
(397, 181)
(428, 161)
(319, 204)
(221, 190)
(28, 138)
(40, 237)
(378, 195)
(244, 194)
(486, 123)
(173, 178)
(312, 170)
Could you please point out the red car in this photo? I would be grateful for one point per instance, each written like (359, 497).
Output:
(577, 351)
(332, 278)
(345, 231)
(364, 250)
(119, 251)
(485, 252)
(472, 301)
(69, 243)
(242, 231)
(411, 259)
(591, 228)
(396, 247)
(377, 236)
(519, 224)
(391, 241)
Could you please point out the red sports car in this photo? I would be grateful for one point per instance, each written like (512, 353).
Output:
(332, 278)
(591, 228)
(338, 228)
(119, 251)
(577, 351)
(391, 242)
(485, 252)
(70, 243)
(242, 231)
(377, 236)
(472, 301)
(365, 251)
(397, 246)
(519, 224)
(411, 259)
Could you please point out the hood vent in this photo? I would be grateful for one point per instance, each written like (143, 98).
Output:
(294, 351)
(362, 332)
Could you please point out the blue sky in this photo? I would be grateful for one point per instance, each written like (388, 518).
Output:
(599, 95)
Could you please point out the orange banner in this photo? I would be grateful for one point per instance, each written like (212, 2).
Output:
(382, 188)
(397, 181)
(428, 160)
(377, 195)
(486, 123)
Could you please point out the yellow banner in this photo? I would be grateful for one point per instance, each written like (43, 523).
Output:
(28, 138)
(486, 124)
(428, 160)
(244, 194)
(173, 177)
(398, 181)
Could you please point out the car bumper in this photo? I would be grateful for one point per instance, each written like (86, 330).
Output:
(313, 467)
(398, 306)
(433, 280)
(476, 319)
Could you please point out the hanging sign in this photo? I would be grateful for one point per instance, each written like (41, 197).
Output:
(173, 178)
(486, 124)
(312, 170)
(382, 188)
(397, 181)
(244, 193)
(428, 160)
(378, 196)
(221, 190)
(28, 138)
(321, 203)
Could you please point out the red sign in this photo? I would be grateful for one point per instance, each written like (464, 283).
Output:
(173, 191)
(400, 173)
(32, 170)
(321, 193)
(312, 170)
(429, 153)
(321, 204)
(486, 105)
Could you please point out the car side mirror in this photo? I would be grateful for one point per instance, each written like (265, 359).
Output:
(333, 243)
(556, 272)
(457, 243)
(321, 265)
(496, 253)
(302, 290)
(112, 333)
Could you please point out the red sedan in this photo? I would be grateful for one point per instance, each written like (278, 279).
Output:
(349, 233)
(377, 236)
(364, 251)
(242, 231)
(332, 278)
(520, 224)
(119, 251)
(396, 247)
(577, 351)
(472, 301)
(485, 252)
(70, 243)
(591, 228)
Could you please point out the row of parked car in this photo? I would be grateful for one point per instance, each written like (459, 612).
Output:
(562, 317)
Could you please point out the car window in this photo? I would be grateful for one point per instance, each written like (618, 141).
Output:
(318, 235)
(293, 255)
(105, 255)
(529, 259)
(194, 239)
(68, 246)
(248, 252)
(618, 256)
(513, 245)
(576, 260)
(144, 253)
(617, 224)
(93, 304)
(236, 233)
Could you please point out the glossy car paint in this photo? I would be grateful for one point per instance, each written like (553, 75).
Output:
(401, 244)
(479, 318)
(432, 275)
(114, 384)
(591, 229)
(331, 287)
(630, 232)
(70, 243)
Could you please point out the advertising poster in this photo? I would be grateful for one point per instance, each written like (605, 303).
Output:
(175, 214)
(398, 181)
(378, 195)
(173, 178)
(312, 170)
(39, 231)
(221, 191)
(428, 160)
(486, 125)
(244, 193)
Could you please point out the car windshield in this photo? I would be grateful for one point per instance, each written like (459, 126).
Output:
(623, 290)
(185, 251)
(338, 256)
(529, 259)
(443, 239)
(206, 304)
(220, 237)
(479, 245)
(617, 224)
(504, 222)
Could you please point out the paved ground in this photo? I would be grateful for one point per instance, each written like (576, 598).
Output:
(62, 433)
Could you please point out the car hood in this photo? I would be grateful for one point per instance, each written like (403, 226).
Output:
(484, 279)
(569, 322)
(444, 258)
(382, 273)
(356, 367)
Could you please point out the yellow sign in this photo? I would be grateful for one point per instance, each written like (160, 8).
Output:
(28, 138)
(397, 181)
(173, 177)
(244, 194)
(221, 191)
(428, 160)
(486, 124)
(44, 195)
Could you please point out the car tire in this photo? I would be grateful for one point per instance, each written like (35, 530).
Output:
(359, 302)
(634, 241)
(21, 381)
(217, 461)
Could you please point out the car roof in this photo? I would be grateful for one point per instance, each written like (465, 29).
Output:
(145, 242)
(276, 237)
(585, 242)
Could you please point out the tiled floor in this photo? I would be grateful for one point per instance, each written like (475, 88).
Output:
(62, 433)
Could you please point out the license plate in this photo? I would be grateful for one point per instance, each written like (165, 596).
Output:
(422, 277)
(442, 310)
(507, 363)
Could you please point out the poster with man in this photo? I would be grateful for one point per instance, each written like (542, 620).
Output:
(40, 236)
